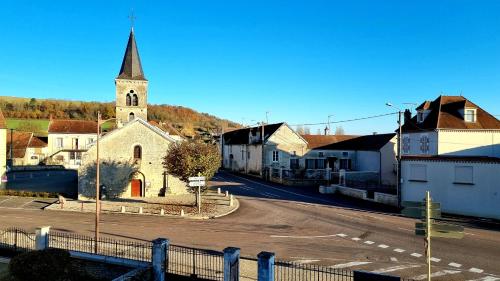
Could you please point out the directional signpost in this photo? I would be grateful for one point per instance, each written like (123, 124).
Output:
(428, 211)
(197, 182)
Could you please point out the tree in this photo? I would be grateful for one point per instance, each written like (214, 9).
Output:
(190, 159)
(339, 130)
(307, 130)
(300, 130)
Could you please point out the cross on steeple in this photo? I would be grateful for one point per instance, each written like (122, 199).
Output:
(132, 19)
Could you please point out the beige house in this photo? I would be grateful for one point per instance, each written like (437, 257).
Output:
(3, 151)
(246, 151)
(68, 140)
(452, 149)
(27, 149)
(131, 163)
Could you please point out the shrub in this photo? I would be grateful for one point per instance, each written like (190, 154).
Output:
(44, 265)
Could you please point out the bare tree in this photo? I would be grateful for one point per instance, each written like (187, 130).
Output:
(300, 130)
(307, 130)
(339, 130)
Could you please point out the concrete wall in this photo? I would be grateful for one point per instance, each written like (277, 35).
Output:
(469, 142)
(119, 146)
(3, 155)
(123, 87)
(481, 198)
(415, 144)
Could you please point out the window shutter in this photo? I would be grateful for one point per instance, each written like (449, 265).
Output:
(418, 172)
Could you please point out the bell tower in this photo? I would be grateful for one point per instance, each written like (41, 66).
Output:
(131, 86)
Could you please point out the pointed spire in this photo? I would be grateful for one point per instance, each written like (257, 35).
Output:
(131, 65)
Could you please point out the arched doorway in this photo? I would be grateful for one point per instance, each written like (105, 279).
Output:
(131, 116)
(137, 188)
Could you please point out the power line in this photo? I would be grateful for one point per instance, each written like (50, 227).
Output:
(348, 120)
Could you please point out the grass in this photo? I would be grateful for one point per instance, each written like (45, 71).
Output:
(20, 193)
(38, 126)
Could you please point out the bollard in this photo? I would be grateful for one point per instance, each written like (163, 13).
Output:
(140, 210)
(162, 212)
(160, 258)
(122, 209)
(182, 212)
(82, 207)
(227, 193)
(42, 237)
(265, 266)
(231, 202)
(218, 190)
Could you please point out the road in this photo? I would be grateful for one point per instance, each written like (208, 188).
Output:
(299, 225)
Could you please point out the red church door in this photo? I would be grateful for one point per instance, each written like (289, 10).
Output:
(136, 188)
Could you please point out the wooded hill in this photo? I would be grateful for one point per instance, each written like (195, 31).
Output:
(188, 121)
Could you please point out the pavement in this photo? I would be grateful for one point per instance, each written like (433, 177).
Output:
(303, 226)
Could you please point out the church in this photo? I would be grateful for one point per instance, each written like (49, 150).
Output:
(131, 155)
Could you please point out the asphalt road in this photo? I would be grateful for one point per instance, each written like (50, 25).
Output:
(298, 225)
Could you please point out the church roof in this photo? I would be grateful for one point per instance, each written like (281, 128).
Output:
(131, 65)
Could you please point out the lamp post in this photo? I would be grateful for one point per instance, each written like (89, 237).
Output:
(97, 180)
(398, 170)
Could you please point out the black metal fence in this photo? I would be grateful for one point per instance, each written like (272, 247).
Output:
(196, 263)
(290, 271)
(17, 240)
(133, 250)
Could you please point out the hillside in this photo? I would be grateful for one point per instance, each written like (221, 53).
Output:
(188, 121)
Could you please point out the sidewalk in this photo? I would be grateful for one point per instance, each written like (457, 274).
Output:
(213, 205)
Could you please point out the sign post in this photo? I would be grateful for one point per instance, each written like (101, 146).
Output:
(197, 182)
(427, 211)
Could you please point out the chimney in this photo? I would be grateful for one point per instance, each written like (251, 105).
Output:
(407, 116)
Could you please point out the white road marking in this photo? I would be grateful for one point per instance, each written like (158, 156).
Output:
(417, 255)
(476, 270)
(10, 198)
(486, 278)
(396, 268)
(369, 242)
(406, 229)
(436, 274)
(398, 250)
(356, 239)
(306, 261)
(454, 264)
(22, 206)
(435, 259)
(383, 246)
(342, 235)
(393, 259)
(350, 264)
(302, 237)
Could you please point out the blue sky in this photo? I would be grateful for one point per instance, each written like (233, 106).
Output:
(299, 60)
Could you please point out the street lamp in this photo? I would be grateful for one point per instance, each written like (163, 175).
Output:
(398, 170)
(97, 180)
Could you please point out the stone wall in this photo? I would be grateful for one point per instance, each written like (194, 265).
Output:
(123, 87)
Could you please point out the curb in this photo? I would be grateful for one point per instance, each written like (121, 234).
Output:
(230, 212)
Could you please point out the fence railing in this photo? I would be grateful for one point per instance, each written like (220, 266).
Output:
(17, 240)
(132, 250)
(290, 271)
(193, 262)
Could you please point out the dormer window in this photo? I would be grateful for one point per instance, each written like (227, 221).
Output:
(420, 116)
(470, 115)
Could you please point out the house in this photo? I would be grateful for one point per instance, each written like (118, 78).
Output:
(68, 139)
(26, 148)
(3, 151)
(451, 148)
(131, 155)
(262, 150)
(372, 156)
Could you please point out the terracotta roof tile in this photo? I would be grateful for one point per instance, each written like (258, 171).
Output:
(37, 142)
(72, 126)
(314, 141)
(20, 141)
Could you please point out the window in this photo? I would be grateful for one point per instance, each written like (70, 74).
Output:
(418, 172)
(310, 164)
(137, 152)
(464, 175)
(420, 117)
(34, 157)
(242, 154)
(320, 163)
(135, 100)
(74, 143)
(321, 154)
(90, 141)
(128, 100)
(131, 116)
(72, 155)
(406, 144)
(424, 144)
(248, 154)
(276, 156)
(345, 154)
(294, 164)
(293, 153)
(60, 142)
(470, 115)
(345, 164)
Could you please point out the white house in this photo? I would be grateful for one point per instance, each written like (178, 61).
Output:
(68, 139)
(452, 148)
(27, 149)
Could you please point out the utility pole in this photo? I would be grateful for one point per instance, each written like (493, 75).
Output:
(428, 233)
(97, 191)
(398, 173)
(263, 154)
(329, 127)
(11, 147)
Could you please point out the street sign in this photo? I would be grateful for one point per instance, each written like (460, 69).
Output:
(196, 178)
(420, 213)
(196, 183)
(420, 204)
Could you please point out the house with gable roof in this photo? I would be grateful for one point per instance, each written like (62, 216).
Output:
(451, 147)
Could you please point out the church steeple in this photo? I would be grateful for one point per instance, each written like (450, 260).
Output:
(131, 65)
